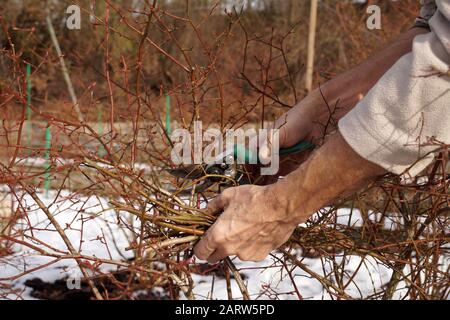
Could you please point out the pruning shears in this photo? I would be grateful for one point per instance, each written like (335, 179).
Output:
(226, 171)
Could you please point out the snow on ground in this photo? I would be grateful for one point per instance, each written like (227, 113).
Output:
(268, 282)
(103, 238)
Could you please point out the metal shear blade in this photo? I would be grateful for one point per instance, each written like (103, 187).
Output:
(191, 174)
(204, 176)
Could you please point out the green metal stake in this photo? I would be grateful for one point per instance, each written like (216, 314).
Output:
(101, 149)
(48, 144)
(168, 127)
(28, 91)
(28, 111)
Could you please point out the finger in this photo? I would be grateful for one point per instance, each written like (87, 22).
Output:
(255, 252)
(260, 258)
(204, 248)
(219, 203)
(283, 132)
(218, 255)
(265, 151)
(261, 254)
(255, 256)
(265, 148)
(215, 205)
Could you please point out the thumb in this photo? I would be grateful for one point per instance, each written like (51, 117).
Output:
(265, 150)
(217, 205)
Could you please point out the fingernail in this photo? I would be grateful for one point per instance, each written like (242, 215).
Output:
(264, 153)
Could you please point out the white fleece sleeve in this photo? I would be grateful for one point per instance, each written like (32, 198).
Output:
(409, 106)
(427, 10)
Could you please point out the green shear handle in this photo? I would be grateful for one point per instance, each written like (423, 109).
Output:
(242, 153)
(299, 147)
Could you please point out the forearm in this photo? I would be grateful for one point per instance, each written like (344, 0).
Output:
(348, 88)
(331, 171)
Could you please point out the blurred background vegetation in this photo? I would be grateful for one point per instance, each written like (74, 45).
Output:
(226, 62)
(342, 42)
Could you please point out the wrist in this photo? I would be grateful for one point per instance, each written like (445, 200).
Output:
(286, 202)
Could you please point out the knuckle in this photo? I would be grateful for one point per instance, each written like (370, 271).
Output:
(244, 257)
(220, 238)
(228, 251)
(259, 258)
(228, 194)
(209, 242)
(198, 252)
(252, 256)
(212, 206)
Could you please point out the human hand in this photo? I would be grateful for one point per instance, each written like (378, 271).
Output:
(299, 124)
(255, 221)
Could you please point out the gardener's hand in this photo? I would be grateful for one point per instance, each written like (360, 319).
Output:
(255, 221)
(299, 124)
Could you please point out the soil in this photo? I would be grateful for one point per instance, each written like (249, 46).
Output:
(58, 290)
